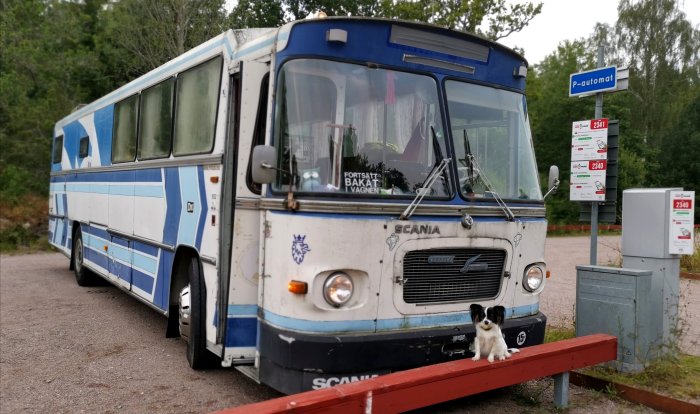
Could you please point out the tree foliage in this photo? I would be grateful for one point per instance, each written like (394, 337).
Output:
(140, 35)
(501, 17)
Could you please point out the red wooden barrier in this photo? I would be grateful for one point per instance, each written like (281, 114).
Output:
(429, 385)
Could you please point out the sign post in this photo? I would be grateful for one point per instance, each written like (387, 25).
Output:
(588, 170)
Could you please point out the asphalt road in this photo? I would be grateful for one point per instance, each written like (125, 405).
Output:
(64, 348)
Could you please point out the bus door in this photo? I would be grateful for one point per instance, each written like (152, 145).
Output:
(240, 327)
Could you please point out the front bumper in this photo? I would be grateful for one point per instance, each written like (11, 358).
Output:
(293, 362)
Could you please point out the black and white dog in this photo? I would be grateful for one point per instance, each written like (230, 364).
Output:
(489, 340)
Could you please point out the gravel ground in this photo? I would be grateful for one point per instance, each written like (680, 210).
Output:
(69, 349)
(558, 298)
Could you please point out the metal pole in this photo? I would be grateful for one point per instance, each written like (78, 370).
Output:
(594, 204)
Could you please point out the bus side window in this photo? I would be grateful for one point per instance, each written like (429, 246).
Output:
(196, 104)
(156, 121)
(124, 134)
(84, 147)
(57, 149)
(258, 133)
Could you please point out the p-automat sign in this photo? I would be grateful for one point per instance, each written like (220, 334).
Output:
(593, 81)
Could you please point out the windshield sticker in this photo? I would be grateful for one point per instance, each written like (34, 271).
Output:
(299, 248)
(362, 182)
(392, 240)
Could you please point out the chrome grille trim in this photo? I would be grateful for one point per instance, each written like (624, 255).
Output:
(425, 282)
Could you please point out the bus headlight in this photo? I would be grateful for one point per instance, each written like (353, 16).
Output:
(533, 277)
(337, 290)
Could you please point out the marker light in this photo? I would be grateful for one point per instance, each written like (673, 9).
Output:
(300, 288)
(533, 277)
(337, 290)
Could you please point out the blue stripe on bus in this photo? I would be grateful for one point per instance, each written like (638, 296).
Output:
(95, 231)
(128, 189)
(204, 208)
(121, 270)
(148, 175)
(58, 202)
(242, 310)
(172, 212)
(71, 141)
(189, 193)
(145, 248)
(462, 318)
(103, 128)
(118, 247)
(415, 217)
(97, 258)
(161, 292)
(241, 332)
(142, 281)
(145, 263)
(317, 326)
(120, 242)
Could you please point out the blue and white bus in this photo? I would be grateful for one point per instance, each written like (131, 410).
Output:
(313, 204)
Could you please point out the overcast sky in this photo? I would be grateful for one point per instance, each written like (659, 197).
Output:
(572, 19)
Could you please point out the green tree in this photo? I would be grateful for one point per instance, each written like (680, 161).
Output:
(681, 155)
(500, 17)
(140, 35)
(47, 67)
(551, 113)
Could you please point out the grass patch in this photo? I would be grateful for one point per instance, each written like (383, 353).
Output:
(553, 334)
(573, 233)
(678, 377)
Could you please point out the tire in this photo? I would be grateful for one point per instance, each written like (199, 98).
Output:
(192, 314)
(83, 275)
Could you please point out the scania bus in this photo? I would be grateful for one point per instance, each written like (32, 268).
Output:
(313, 204)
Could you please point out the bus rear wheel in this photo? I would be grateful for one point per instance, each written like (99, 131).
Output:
(83, 275)
(192, 311)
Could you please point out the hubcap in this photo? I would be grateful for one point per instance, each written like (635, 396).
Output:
(185, 313)
(78, 255)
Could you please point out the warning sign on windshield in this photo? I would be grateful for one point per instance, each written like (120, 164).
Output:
(362, 182)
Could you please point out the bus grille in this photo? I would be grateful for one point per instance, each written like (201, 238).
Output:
(442, 275)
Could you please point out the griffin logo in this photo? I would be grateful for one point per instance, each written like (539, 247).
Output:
(471, 266)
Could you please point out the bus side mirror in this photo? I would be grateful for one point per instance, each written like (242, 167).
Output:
(264, 161)
(553, 180)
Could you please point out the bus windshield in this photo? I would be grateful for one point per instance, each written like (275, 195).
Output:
(357, 130)
(492, 142)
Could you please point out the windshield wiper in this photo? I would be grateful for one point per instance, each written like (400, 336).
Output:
(438, 169)
(471, 164)
(469, 161)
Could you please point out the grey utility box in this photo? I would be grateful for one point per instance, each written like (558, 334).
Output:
(645, 245)
(616, 301)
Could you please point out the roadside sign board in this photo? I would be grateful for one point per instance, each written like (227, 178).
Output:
(681, 235)
(587, 181)
(589, 154)
(589, 140)
(593, 81)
